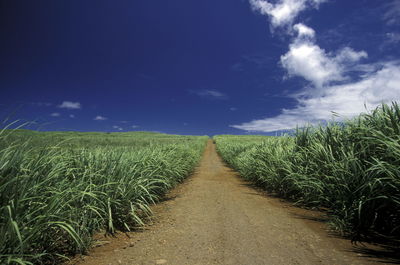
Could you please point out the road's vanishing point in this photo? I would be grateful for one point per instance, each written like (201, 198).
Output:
(215, 217)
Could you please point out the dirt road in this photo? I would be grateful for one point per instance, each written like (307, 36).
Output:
(217, 218)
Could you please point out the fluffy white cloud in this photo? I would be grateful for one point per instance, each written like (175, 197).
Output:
(347, 100)
(333, 92)
(99, 118)
(70, 105)
(306, 59)
(55, 114)
(72, 116)
(348, 55)
(309, 61)
(304, 31)
(284, 11)
(118, 128)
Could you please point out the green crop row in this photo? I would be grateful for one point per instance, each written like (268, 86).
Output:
(58, 189)
(351, 168)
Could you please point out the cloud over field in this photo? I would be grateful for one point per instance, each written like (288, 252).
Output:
(348, 100)
(338, 81)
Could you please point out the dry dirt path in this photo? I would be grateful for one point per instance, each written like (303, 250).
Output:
(217, 218)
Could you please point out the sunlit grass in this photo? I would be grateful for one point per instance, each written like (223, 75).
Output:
(57, 189)
(351, 168)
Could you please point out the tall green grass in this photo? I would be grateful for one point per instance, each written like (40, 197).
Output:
(58, 189)
(351, 168)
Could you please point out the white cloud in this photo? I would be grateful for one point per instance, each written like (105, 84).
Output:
(72, 116)
(304, 31)
(134, 126)
(348, 55)
(308, 60)
(118, 128)
(232, 109)
(333, 90)
(55, 114)
(99, 118)
(210, 93)
(284, 11)
(70, 105)
(347, 100)
(318, 2)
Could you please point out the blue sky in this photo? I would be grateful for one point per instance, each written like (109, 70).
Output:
(196, 67)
